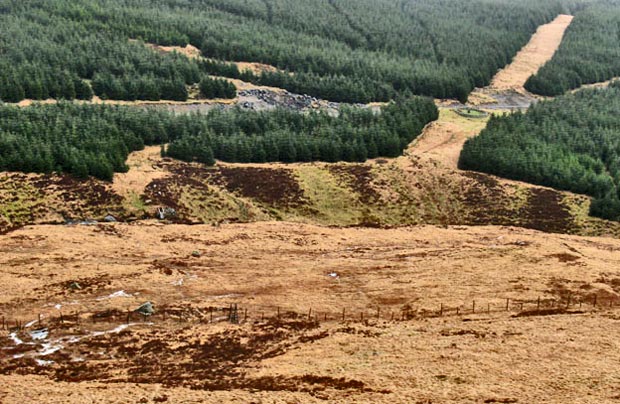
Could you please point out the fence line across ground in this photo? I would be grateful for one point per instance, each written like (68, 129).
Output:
(234, 313)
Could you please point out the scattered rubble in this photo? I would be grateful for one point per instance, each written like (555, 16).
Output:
(285, 99)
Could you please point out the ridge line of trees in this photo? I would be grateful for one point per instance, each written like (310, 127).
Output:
(287, 136)
(95, 140)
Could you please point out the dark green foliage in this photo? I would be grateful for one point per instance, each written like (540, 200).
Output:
(362, 50)
(589, 53)
(286, 136)
(80, 139)
(49, 48)
(95, 139)
(341, 50)
(571, 143)
(217, 88)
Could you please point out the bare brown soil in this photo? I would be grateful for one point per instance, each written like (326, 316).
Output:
(517, 354)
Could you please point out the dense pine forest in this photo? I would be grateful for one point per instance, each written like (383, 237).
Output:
(589, 53)
(341, 50)
(571, 143)
(287, 136)
(86, 139)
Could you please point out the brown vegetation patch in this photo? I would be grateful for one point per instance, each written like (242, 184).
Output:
(611, 280)
(80, 194)
(275, 187)
(485, 195)
(501, 400)
(545, 211)
(213, 361)
(86, 285)
(359, 178)
(167, 192)
(491, 204)
(477, 334)
(565, 257)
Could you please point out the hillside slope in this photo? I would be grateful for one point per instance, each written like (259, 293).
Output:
(424, 186)
(308, 274)
(409, 190)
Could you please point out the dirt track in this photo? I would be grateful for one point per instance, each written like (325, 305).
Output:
(444, 139)
(536, 53)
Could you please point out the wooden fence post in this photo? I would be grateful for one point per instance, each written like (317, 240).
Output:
(507, 304)
(441, 310)
(473, 306)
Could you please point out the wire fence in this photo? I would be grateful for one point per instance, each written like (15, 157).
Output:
(239, 314)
